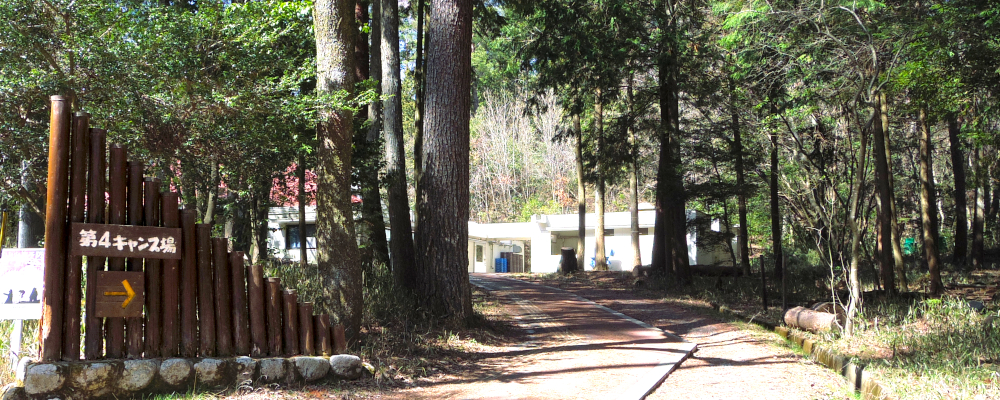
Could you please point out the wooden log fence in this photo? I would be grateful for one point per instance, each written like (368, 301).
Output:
(105, 217)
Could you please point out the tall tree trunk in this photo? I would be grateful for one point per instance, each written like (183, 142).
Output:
(420, 78)
(302, 199)
(979, 215)
(664, 236)
(401, 245)
(958, 166)
(633, 181)
(897, 251)
(928, 204)
(779, 257)
(337, 248)
(31, 226)
(600, 260)
(444, 202)
(885, 261)
(581, 194)
(371, 206)
(743, 239)
(260, 191)
(853, 219)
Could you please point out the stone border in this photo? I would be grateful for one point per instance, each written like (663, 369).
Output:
(854, 374)
(133, 378)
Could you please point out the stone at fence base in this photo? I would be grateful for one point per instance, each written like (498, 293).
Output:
(345, 366)
(246, 367)
(92, 379)
(312, 368)
(175, 371)
(12, 391)
(273, 370)
(138, 374)
(209, 371)
(43, 378)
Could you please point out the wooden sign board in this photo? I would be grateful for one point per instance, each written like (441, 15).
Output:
(125, 241)
(119, 294)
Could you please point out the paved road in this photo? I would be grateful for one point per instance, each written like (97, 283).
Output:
(577, 350)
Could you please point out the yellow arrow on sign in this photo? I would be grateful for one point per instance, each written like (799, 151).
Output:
(128, 292)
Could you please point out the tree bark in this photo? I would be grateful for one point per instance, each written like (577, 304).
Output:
(979, 214)
(743, 239)
(581, 194)
(854, 281)
(401, 245)
(778, 253)
(211, 193)
(633, 182)
(928, 205)
(303, 248)
(958, 166)
(336, 245)
(664, 237)
(885, 261)
(600, 260)
(444, 204)
(371, 206)
(419, 74)
(897, 251)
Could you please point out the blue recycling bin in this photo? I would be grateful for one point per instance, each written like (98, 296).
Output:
(500, 265)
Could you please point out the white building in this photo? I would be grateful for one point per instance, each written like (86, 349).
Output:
(537, 243)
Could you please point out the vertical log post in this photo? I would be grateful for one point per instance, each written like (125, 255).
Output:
(306, 333)
(258, 314)
(223, 298)
(275, 304)
(206, 298)
(339, 339)
(94, 340)
(189, 284)
(134, 339)
(291, 323)
(171, 283)
(77, 209)
(117, 183)
(321, 324)
(154, 274)
(241, 328)
(55, 231)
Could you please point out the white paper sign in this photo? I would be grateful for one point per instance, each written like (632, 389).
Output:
(21, 278)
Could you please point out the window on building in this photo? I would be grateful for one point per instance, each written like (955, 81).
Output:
(644, 231)
(292, 236)
(479, 253)
(609, 232)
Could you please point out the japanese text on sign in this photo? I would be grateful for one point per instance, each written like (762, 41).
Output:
(125, 241)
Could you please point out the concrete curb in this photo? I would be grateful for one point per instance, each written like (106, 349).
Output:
(653, 379)
(854, 374)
